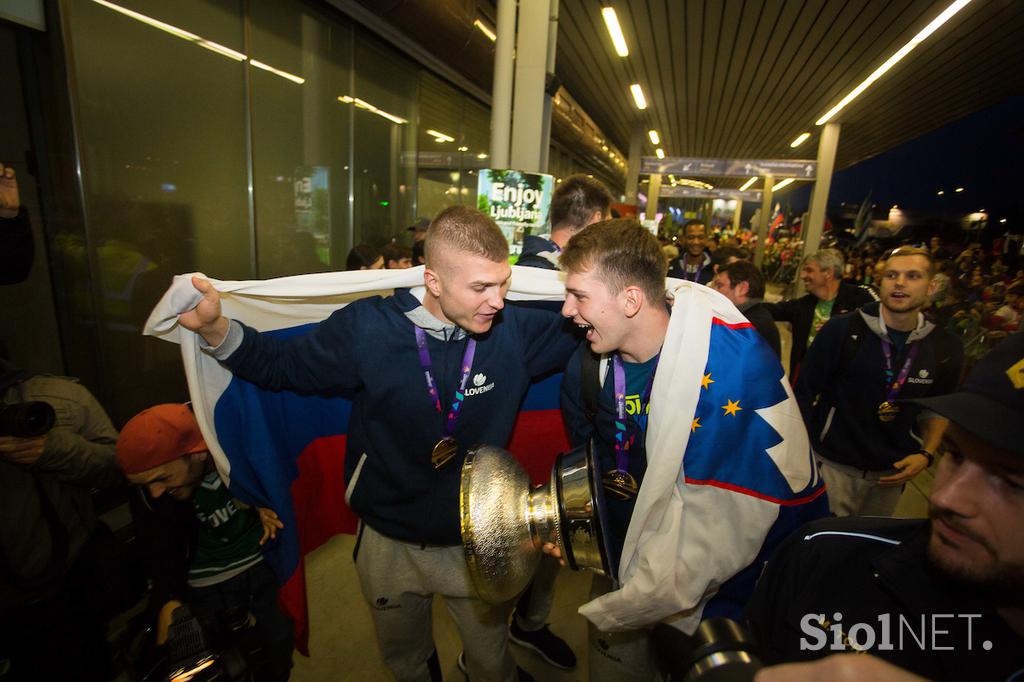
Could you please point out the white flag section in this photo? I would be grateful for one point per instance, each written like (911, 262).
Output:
(693, 528)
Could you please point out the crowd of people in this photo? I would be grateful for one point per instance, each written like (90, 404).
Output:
(877, 367)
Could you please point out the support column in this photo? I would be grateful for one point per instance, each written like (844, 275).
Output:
(766, 217)
(653, 190)
(827, 145)
(737, 215)
(636, 150)
(545, 137)
(531, 71)
(501, 94)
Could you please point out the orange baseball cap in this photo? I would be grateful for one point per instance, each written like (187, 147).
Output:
(158, 435)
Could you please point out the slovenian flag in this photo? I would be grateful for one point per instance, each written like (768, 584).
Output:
(287, 452)
(729, 473)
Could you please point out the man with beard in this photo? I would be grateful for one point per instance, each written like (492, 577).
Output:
(942, 598)
(868, 444)
(695, 263)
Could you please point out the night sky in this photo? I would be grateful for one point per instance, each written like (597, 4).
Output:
(983, 153)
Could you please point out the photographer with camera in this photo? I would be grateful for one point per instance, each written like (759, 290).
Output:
(56, 445)
(199, 544)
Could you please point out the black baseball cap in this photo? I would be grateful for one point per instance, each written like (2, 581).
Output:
(990, 404)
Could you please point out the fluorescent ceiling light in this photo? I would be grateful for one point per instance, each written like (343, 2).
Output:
(199, 40)
(366, 106)
(638, 96)
(486, 30)
(687, 182)
(799, 140)
(1002, 220)
(655, 139)
(946, 15)
(481, 155)
(940, 193)
(615, 31)
(278, 72)
(748, 183)
(660, 153)
(959, 189)
(463, 148)
(440, 137)
(784, 183)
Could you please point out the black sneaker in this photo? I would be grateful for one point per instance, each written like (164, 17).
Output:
(550, 646)
(523, 675)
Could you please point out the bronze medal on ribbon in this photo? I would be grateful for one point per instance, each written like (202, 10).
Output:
(620, 484)
(887, 411)
(443, 451)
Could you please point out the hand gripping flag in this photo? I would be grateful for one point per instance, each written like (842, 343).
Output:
(729, 472)
(285, 451)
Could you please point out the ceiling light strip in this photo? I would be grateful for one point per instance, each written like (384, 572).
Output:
(486, 30)
(611, 21)
(946, 15)
(748, 183)
(638, 96)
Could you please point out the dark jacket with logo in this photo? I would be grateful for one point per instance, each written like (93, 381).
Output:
(867, 569)
(367, 353)
(840, 403)
(800, 313)
(539, 252)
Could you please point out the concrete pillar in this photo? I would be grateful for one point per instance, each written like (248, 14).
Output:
(545, 137)
(766, 218)
(501, 94)
(653, 190)
(737, 215)
(827, 145)
(531, 71)
(636, 150)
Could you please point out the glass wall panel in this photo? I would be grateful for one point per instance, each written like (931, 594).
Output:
(159, 89)
(384, 171)
(454, 140)
(300, 138)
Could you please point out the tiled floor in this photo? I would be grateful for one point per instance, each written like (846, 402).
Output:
(342, 641)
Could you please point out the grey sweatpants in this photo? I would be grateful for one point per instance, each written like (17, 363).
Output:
(856, 493)
(399, 581)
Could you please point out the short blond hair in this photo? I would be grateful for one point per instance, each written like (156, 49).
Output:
(466, 229)
(900, 251)
(625, 253)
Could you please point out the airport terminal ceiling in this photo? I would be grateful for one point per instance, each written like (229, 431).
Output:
(744, 78)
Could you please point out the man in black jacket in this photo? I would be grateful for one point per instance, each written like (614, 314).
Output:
(743, 284)
(827, 296)
(942, 598)
(578, 201)
(694, 265)
(869, 445)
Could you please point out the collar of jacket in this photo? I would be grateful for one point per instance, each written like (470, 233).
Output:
(744, 307)
(410, 302)
(873, 318)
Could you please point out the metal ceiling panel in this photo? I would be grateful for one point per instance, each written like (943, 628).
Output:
(743, 78)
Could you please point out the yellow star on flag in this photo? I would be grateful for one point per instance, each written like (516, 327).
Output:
(706, 381)
(695, 425)
(732, 408)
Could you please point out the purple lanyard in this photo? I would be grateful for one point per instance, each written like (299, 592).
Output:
(460, 395)
(894, 388)
(622, 445)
